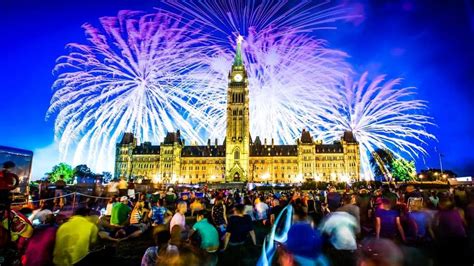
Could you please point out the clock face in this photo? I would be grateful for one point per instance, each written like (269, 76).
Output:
(238, 78)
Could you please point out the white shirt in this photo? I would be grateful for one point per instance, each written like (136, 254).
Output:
(40, 215)
(178, 219)
(261, 209)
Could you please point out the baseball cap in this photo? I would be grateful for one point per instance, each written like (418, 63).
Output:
(124, 198)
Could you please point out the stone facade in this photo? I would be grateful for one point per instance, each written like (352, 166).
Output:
(239, 158)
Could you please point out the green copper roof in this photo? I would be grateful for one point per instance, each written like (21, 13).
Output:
(238, 52)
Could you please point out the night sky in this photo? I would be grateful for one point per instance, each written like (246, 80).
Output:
(430, 44)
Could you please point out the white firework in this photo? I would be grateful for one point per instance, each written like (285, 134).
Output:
(380, 115)
(289, 72)
(289, 79)
(137, 73)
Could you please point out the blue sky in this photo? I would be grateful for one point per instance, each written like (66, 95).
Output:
(427, 43)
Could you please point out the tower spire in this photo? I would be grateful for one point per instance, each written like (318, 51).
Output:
(238, 52)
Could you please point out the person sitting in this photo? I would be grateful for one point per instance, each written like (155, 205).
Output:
(39, 250)
(38, 216)
(162, 250)
(178, 217)
(74, 238)
(120, 212)
(137, 214)
(196, 206)
(209, 235)
(158, 214)
(110, 205)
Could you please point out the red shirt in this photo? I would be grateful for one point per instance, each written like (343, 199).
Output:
(8, 180)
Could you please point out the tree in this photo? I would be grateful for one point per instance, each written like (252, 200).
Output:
(61, 169)
(403, 170)
(82, 171)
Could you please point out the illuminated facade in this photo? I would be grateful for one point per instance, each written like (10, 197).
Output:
(239, 159)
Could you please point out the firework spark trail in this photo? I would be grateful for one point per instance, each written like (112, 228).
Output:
(380, 115)
(289, 72)
(138, 73)
(239, 16)
(289, 78)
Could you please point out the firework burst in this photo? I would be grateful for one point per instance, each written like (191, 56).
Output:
(289, 72)
(380, 115)
(137, 73)
(289, 78)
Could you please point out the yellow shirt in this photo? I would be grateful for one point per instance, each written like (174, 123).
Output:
(123, 184)
(73, 239)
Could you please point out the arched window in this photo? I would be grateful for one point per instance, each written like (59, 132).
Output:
(236, 155)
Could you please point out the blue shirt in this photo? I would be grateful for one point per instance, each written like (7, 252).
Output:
(158, 214)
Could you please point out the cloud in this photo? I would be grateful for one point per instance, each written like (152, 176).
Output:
(43, 160)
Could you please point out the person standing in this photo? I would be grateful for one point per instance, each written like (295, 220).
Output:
(261, 209)
(219, 215)
(275, 210)
(239, 228)
(123, 187)
(8, 181)
(333, 199)
(74, 238)
(387, 222)
(349, 206)
(60, 184)
(112, 188)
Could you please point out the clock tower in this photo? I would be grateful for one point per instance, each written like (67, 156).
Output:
(237, 135)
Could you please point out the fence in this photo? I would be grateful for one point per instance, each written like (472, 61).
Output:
(69, 202)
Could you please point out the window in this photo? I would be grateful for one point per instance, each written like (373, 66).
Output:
(236, 155)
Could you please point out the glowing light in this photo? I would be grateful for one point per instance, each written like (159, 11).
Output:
(156, 179)
(137, 73)
(299, 178)
(266, 176)
(288, 72)
(380, 116)
(317, 177)
(345, 178)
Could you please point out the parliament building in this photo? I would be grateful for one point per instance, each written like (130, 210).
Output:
(240, 158)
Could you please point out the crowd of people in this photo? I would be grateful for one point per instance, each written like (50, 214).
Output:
(389, 225)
